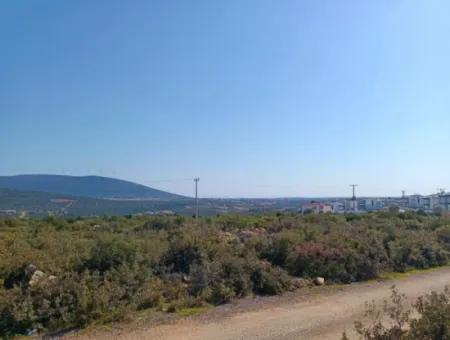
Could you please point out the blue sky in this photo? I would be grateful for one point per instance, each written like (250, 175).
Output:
(258, 98)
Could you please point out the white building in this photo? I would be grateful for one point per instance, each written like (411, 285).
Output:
(317, 208)
(444, 202)
(414, 201)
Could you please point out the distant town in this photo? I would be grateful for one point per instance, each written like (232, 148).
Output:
(60, 195)
(435, 203)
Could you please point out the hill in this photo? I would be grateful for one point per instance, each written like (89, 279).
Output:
(31, 203)
(38, 203)
(85, 186)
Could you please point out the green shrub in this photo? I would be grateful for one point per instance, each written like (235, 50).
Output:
(418, 250)
(434, 320)
(312, 259)
(107, 268)
(443, 235)
(429, 319)
(109, 254)
(221, 294)
(269, 281)
(281, 246)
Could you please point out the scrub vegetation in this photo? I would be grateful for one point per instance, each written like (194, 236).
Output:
(428, 319)
(57, 273)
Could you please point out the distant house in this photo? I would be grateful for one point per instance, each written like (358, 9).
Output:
(338, 206)
(444, 201)
(430, 203)
(8, 212)
(317, 208)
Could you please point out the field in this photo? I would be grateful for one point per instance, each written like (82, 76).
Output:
(57, 273)
(41, 204)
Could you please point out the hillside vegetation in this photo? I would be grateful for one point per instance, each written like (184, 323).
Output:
(59, 273)
(39, 204)
(86, 186)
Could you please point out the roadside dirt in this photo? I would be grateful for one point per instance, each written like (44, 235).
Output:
(322, 313)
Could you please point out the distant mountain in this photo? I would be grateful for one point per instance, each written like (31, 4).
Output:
(86, 186)
(38, 203)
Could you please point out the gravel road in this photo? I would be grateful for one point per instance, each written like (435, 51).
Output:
(321, 316)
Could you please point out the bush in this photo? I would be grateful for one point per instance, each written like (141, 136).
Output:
(434, 320)
(230, 277)
(417, 250)
(269, 281)
(443, 235)
(281, 246)
(109, 254)
(107, 268)
(221, 294)
(312, 259)
(428, 319)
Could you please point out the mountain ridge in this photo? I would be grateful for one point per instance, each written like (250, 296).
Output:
(86, 186)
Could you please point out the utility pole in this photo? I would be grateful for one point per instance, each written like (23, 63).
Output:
(196, 196)
(354, 196)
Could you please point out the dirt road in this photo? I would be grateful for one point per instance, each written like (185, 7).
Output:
(319, 317)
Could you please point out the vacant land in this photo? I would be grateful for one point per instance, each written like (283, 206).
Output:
(60, 273)
(321, 316)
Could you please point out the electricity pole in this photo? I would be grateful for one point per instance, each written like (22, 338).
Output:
(354, 196)
(196, 196)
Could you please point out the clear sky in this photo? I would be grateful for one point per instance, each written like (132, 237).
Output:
(258, 98)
